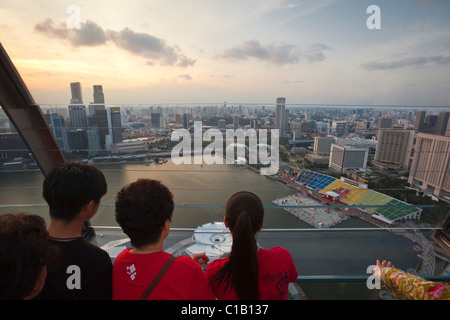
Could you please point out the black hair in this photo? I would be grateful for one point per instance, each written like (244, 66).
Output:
(24, 251)
(142, 209)
(244, 217)
(67, 188)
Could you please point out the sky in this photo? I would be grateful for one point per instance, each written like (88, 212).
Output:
(238, 51)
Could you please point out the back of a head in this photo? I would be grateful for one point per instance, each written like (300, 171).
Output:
(142, 209)
(69, 187)
(24, 251)
(244, 217)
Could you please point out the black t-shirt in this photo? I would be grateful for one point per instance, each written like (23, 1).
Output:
(81, 271)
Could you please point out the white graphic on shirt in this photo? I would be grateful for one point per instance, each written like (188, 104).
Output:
(131, 270)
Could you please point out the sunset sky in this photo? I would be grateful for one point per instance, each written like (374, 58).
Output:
(239, 51)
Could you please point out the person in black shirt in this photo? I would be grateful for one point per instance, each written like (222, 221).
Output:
(82, 271)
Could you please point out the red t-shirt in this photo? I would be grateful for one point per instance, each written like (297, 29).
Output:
(132, 273)
(276, 270)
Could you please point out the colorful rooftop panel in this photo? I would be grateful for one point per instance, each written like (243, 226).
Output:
(376, 202)
(372, 198)
(320, 182)
(396, 209)
(354, 194)
(306, 176)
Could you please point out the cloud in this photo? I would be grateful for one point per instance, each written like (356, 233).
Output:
(277, 54)
(185, 77)
(420, 61)
(89, 34)
(140, 44)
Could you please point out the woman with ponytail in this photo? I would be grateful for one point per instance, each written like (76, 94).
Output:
(250, 272)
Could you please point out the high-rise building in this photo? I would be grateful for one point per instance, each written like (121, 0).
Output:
(78, 117)
(114, 125)
(185, 121)
(236, 122)
(433, 124)
(99, 97)
(93, 137)
(222, 124)
(442, 123)
(78, 141)
(420, 121)
(77, 97)
(343, 158)
(394, 145)
(280, 114)
(58, 126)
(430, 167)
(322, 145)
(156, 119)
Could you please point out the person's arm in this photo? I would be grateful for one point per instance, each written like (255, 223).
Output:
(405, 286)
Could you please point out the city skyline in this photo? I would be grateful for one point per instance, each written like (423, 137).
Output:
(310, 52)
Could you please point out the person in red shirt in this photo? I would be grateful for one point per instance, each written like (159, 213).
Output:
(250, 272)
(144, 211)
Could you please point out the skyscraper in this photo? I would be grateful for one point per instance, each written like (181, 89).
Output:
(78, 117)
(99, 97)
(114, 125)
(280, 115)
(430, 168)
(77, 97)
(394, 145)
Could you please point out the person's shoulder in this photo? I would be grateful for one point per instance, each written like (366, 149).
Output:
(279, 250)
(187, 262)
(91, 251)
(276, 251)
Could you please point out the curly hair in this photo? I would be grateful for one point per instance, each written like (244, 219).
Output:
(142, 208)
(24, 250)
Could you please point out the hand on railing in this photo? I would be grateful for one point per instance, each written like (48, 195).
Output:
(201, 258)
(405, 286)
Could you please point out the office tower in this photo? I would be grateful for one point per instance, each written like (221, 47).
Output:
(99, 100)
(340, 128)
(222, 124)
(162, 123)
(77, 97)
(185, 121)
(235, 122)
(58, 126)
(384, 123)
(322, 145)
(156, 120)
(78, 117)
(78, 141)
(343, 158)
(280, 115)
(99, 97)
(93, 138)
(430, 167)
(442, 123)
(394, 145)
(447, 132)
(420, 120)
(114, 125)
(432, 124)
